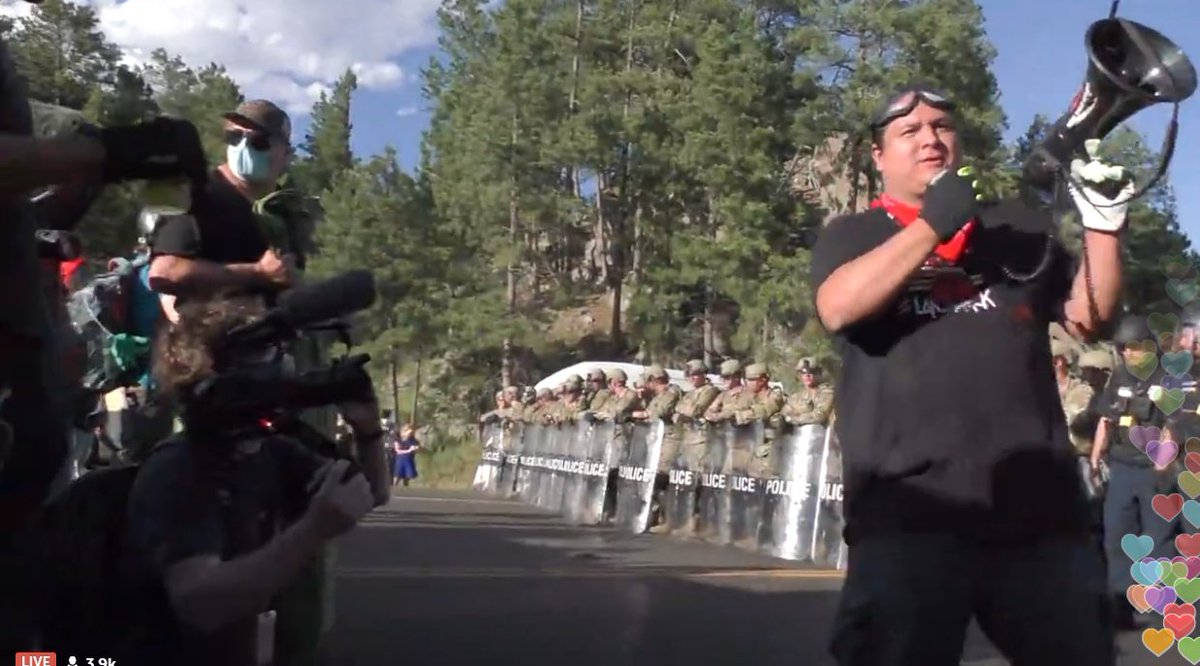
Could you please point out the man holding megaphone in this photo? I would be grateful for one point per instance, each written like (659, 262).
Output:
(962, 495)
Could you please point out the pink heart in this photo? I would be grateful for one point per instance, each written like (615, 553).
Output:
(1140, 436)
(1193, 567)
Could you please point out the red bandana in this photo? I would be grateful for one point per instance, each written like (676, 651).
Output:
(905, 215)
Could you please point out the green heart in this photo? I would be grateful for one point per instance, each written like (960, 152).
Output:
(1174, 572)
(1188, 590)
(1190, 649)
(1183, 292)
(1190, 484)
(1148, 363)
(1162, 323)
(1170, 401)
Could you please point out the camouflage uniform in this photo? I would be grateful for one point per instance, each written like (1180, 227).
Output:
(567, 410)
(662, 407)
(597, 397)
(764, 404)
(810, 405)
(731, 400)
(617, 407)
(688, 412)
(1075, 395)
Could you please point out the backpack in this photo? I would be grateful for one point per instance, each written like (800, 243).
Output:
(107, 315)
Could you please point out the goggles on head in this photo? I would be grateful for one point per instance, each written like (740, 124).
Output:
(902, 103)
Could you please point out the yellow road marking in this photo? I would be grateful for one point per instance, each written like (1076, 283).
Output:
(416, 572)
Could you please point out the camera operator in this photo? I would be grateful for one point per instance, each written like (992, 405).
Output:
(219, 244)
(163, 148)
(228, 525)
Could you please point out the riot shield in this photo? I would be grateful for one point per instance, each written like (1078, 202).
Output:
(512, 445)
(558, 446)
(710, 493)
(683, 479)
(595, 470)
(635, 476)
(487, 473)
(828, 548)
(575, 485)
(740, 509)
(790, 506)
(530, 477)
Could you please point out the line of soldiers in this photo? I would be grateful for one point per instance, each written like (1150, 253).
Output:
(748, 397)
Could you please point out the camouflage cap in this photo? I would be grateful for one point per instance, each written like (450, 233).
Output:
(1063, 349)
(616, 373)
(731, 368)
(696, 367)
(1096, 359)
(544, 394)
(655, 371)
(756, 371)
(263, 115)
(596, 374)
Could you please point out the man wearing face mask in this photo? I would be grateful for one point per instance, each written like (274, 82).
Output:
(219, 244)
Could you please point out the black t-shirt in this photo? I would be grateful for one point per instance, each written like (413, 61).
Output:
(175, 513)
(221, 227)
(1123, 415)
(948, 408)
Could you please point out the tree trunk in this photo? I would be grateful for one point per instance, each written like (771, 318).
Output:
(412, 416)
(514, 212)
(573, 175)
(621, 219)
(395, 385)
(708, 328)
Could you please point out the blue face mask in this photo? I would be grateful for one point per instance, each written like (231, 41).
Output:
(247, 163)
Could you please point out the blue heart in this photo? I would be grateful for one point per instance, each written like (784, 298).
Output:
(1191, 511)
(1137, 547)
(1147, 572)
(1176, 363)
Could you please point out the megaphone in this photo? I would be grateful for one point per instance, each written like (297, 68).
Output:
(1130, 67)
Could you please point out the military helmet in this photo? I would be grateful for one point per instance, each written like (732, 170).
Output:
(1132, 328)
(616, 373)
(696, 367)
(596, 374)
(544, 394)
(731, 368)
(808, 365)
(528, 394)
(1096, 358)
(574, 382)
(1063, 349)
(655, 371)
(756, 371)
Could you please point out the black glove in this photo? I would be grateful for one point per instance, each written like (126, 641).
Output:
(950, 202)
(159, 149)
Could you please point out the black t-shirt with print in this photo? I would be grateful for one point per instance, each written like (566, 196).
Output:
(948, 410)
(221, 227)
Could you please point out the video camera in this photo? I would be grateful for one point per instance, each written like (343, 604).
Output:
(251, 397)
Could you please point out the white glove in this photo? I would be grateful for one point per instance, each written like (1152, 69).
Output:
(1096, 211)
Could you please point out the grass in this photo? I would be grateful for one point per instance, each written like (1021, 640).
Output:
(447, 468)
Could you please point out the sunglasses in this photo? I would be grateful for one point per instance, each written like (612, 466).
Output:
(901, 104)
(257, 140)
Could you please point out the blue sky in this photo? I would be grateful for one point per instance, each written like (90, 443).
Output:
(1039, 65)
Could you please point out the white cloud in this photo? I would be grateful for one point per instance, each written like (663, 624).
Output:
(285, 50)
(406, 111)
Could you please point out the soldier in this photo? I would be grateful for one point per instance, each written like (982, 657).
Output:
(620, 402)
(523, 409)
(814, 403)
(571, 404)
(735, 397)
(502, 409)
(1062, 356)
(689, 414)
(597, 391)
(664, 397)
(542, 408)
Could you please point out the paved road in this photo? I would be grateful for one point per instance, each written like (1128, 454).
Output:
(449, 578)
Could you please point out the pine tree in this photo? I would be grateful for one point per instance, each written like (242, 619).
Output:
(327, 142)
